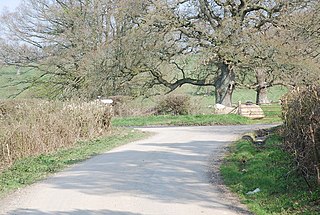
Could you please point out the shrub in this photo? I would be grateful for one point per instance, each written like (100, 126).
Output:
(125, 106)
(33, 127)
(174, 105)
(301, 114)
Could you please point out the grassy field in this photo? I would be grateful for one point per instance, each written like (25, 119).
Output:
(206, 94)
(272, 170)
(29, 170)
(202, 102)
(12, 83)
(14, 80)
(191, 120)
(181, 120)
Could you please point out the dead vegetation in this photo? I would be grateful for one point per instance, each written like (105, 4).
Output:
(301, 114)
(33, 127)
(175, 104)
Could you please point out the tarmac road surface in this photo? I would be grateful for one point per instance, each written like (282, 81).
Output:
(169, 173)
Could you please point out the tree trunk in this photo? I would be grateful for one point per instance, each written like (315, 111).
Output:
(224, 85)
(262, 95)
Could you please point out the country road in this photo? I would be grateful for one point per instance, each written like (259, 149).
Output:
(166, 174)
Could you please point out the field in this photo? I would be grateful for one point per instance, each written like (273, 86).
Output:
(202, 102)
(136, 111)
(14, 80)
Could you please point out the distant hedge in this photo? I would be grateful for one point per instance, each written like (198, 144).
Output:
(301, 114)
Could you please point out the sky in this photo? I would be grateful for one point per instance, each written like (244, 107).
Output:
(10, 4)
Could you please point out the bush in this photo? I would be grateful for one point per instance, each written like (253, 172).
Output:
(174, 105)
(301, 114)
(33, 127)
(124, 106)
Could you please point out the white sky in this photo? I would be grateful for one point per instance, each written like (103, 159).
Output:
(10, 4)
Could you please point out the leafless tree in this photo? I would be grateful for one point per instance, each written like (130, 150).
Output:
(78, 45)
(286, 54)
(87, 47)
(212, 30)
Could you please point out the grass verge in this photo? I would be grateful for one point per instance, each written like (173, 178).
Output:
(210, 119)
(180, 120)
(29, 170)
(270, 169)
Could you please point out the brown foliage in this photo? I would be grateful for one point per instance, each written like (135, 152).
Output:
(301, 114)
(127, 106)
(32, 127)
(174, 105)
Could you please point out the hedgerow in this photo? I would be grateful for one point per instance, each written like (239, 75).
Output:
(301, 114)
(33, 127)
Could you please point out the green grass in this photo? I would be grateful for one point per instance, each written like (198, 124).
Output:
(190, 120)
(29, 170)
(239, 94)
(243, 95)
(272, 113)
(201, 97)
(12, 83)
(230, 119)
(270, 169)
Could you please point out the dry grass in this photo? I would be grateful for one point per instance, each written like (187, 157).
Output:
(33, 127)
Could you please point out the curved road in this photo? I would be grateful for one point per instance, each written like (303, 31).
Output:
(167, 174)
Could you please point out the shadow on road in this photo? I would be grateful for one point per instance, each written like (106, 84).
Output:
(155, 170)
(171, 173)
(75, 212)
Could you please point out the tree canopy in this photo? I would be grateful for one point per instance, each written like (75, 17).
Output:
(88, 48)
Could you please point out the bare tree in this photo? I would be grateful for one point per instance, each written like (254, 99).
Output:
(79, 45)
(101, 47)
(286, 54)
(213, 31)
